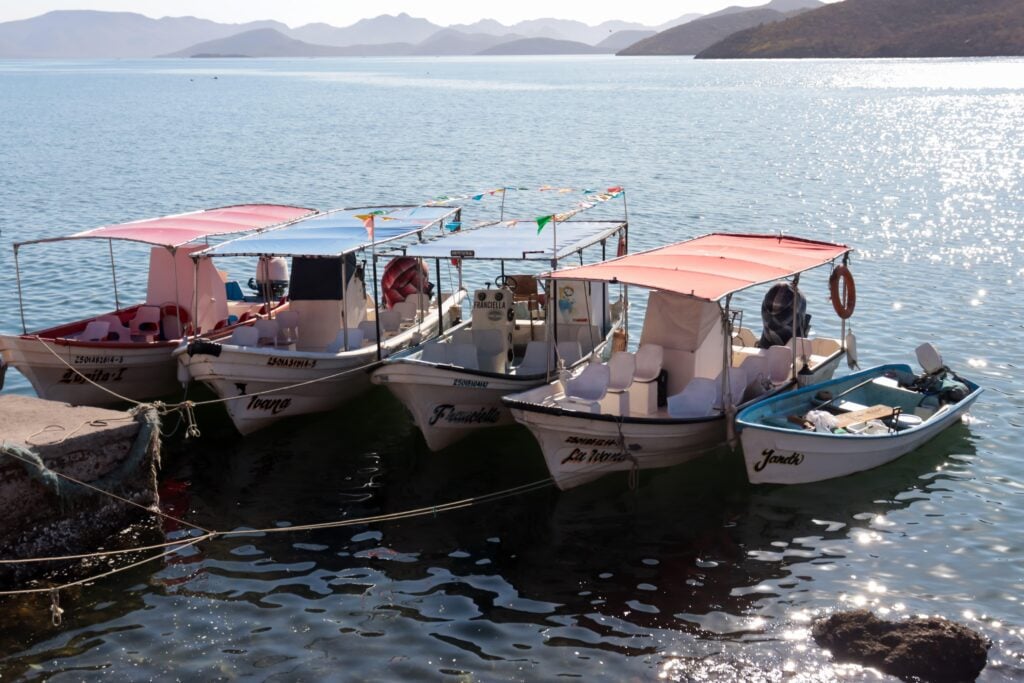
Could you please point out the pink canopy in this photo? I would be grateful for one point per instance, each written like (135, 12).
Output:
(712, 266)
(174, 231)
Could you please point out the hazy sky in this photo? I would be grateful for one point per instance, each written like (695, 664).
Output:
(346, 12)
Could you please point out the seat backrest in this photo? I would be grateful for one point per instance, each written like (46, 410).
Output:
(287, 319)
(145, 321)
(369, 330)
(244, 336)
(266, 330)
(389, 320)
(569, 351)
(462, 337)
(697, 399)
(621, 367)
(118, 331)
(464, 356)
(95, 330)
(407, 309)
(435, 353)
(534, 359)
(737, 385)
(780, 363)
(648, 362)
(355, 340)
(492, 350)
(233, 291)
(802, 346)
(591, 384)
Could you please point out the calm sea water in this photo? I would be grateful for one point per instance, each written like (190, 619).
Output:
(693, 576)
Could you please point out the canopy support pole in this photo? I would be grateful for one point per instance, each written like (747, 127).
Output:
(21, 301)
(113, 274)
(344, 303)
(376, 303)
(604, 289)
(440, 312)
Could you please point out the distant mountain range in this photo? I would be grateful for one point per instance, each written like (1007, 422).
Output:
(700, 34)
(883, 28)
(780, 28)
(72, 34)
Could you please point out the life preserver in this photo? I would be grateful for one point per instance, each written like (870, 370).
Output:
(404, 276)
(843, 291)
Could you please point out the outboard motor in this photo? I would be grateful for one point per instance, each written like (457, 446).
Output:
(271, 281)
(781, 304)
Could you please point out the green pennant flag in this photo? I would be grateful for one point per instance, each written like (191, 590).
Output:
(542, 221)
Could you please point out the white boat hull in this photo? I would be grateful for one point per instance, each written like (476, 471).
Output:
(579, 448)
(448, 404)
(261, 385)
(58, 370)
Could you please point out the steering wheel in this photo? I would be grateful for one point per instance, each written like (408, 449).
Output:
(506, 281)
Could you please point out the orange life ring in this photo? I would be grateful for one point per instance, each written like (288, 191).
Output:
(843, 291)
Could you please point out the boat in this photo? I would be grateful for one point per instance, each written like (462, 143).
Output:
(673, 399)
(853, 423)
(319, 352)
(125, 354)
(452, 385)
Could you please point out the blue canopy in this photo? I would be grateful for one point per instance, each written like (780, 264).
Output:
(518, 240)
(336, 233)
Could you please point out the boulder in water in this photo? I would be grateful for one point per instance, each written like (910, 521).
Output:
(926, 649)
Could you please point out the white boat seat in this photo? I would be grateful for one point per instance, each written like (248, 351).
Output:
(697, 399)
(288, 326)
(266, 331)
(534, 359)
(491, 349)
(95, 330)
(464, 356)
(245, 336)
(591, 384)
(389, 320)
(569, 351)
(435, 353)
(462, 336)
(369, 330)
(118, 330)
(621, 367)
(407, 309)
(145, 322)
(355, 340)
(648, 362)
(780, 364)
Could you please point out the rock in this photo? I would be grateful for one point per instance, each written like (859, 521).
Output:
(927, 649)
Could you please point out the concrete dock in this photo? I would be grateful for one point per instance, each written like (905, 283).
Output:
(43, 514)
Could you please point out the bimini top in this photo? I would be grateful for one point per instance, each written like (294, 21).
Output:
(336, 232)
(518, 240)
(177, 230)
(712, 266)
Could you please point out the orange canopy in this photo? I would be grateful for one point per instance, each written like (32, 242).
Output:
(712, 266)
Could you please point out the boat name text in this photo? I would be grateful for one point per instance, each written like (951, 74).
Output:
(771, 458)
(274, 405)
(97, 376)
(453, 415)
(593, 455)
